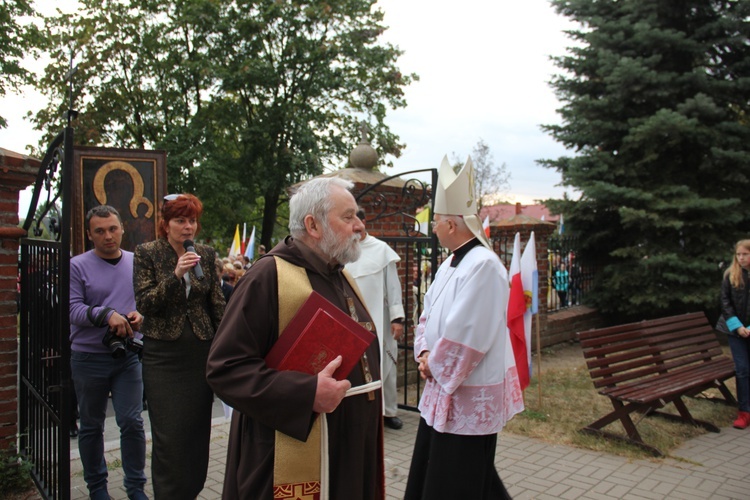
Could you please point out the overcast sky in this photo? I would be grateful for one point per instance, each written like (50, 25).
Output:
(484, 70)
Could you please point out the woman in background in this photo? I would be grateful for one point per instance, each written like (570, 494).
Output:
(561, 284)
(735, 319)
(182, 310)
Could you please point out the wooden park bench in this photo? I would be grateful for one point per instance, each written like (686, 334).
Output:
(641, 367)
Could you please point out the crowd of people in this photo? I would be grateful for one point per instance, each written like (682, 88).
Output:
(176, 324)
(231, 268)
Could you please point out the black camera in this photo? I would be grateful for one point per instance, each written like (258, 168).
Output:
(118, 346)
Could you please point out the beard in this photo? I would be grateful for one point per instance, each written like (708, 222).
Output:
(342, 250)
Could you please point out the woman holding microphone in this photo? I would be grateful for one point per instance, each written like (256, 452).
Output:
(179, 293)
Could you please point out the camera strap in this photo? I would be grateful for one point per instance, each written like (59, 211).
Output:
(101, 318)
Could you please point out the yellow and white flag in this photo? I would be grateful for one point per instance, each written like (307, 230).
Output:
(236, 248)
(423, 221)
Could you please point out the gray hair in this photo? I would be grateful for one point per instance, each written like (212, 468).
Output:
(312, 198)
(457, 220)
(102, 211)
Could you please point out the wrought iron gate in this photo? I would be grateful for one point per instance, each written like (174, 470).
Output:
(417, 250)
(45, 388)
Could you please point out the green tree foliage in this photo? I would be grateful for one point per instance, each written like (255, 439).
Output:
(18, 39)
(247, 97)
(144, 80)
(655, 96)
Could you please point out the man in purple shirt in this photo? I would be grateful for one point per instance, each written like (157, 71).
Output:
(102, 301)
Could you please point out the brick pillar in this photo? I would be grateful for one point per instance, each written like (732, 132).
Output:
(16, 173)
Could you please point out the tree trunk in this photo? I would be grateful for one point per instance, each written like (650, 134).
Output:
(269, 215)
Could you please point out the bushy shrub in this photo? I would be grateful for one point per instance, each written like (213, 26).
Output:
(15, 472)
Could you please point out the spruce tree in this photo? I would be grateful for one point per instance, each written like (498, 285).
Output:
(655, 98)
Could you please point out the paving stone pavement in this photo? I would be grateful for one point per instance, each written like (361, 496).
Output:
(711, 466)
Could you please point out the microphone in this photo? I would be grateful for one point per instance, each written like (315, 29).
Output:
(188, 244)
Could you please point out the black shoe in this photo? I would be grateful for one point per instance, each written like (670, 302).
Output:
(100, 495)
(74, 431)
(393, 422)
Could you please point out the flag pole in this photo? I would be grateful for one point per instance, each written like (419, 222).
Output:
(539, 360)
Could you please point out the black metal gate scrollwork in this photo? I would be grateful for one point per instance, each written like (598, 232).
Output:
(44, 365)
(416, 250)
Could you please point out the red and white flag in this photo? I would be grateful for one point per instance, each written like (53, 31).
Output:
(530, 280)
(516, 312)
(486, 225)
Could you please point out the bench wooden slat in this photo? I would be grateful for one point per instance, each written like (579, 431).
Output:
(690, 319)
(646, 365)
(650, 355)
(675, 381)
(609, 345)
(654, 348)
(642, 367)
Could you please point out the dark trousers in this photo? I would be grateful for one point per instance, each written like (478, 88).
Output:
(740, 348)
(96, 376)
(179, 407)
(451, 466)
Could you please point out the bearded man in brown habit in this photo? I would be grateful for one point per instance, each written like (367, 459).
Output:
(295, 434)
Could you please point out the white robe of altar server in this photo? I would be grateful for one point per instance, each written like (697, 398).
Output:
(475, 388)
(377, 278)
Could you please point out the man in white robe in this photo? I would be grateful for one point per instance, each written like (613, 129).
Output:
(464, 353)
(377, 278)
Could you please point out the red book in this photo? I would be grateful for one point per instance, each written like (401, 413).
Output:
(317, 333)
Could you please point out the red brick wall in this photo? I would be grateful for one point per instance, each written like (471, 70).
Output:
(16, 173)
(563, 325)
(8, 319)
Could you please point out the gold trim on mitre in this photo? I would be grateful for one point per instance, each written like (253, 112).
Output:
(454, 195)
